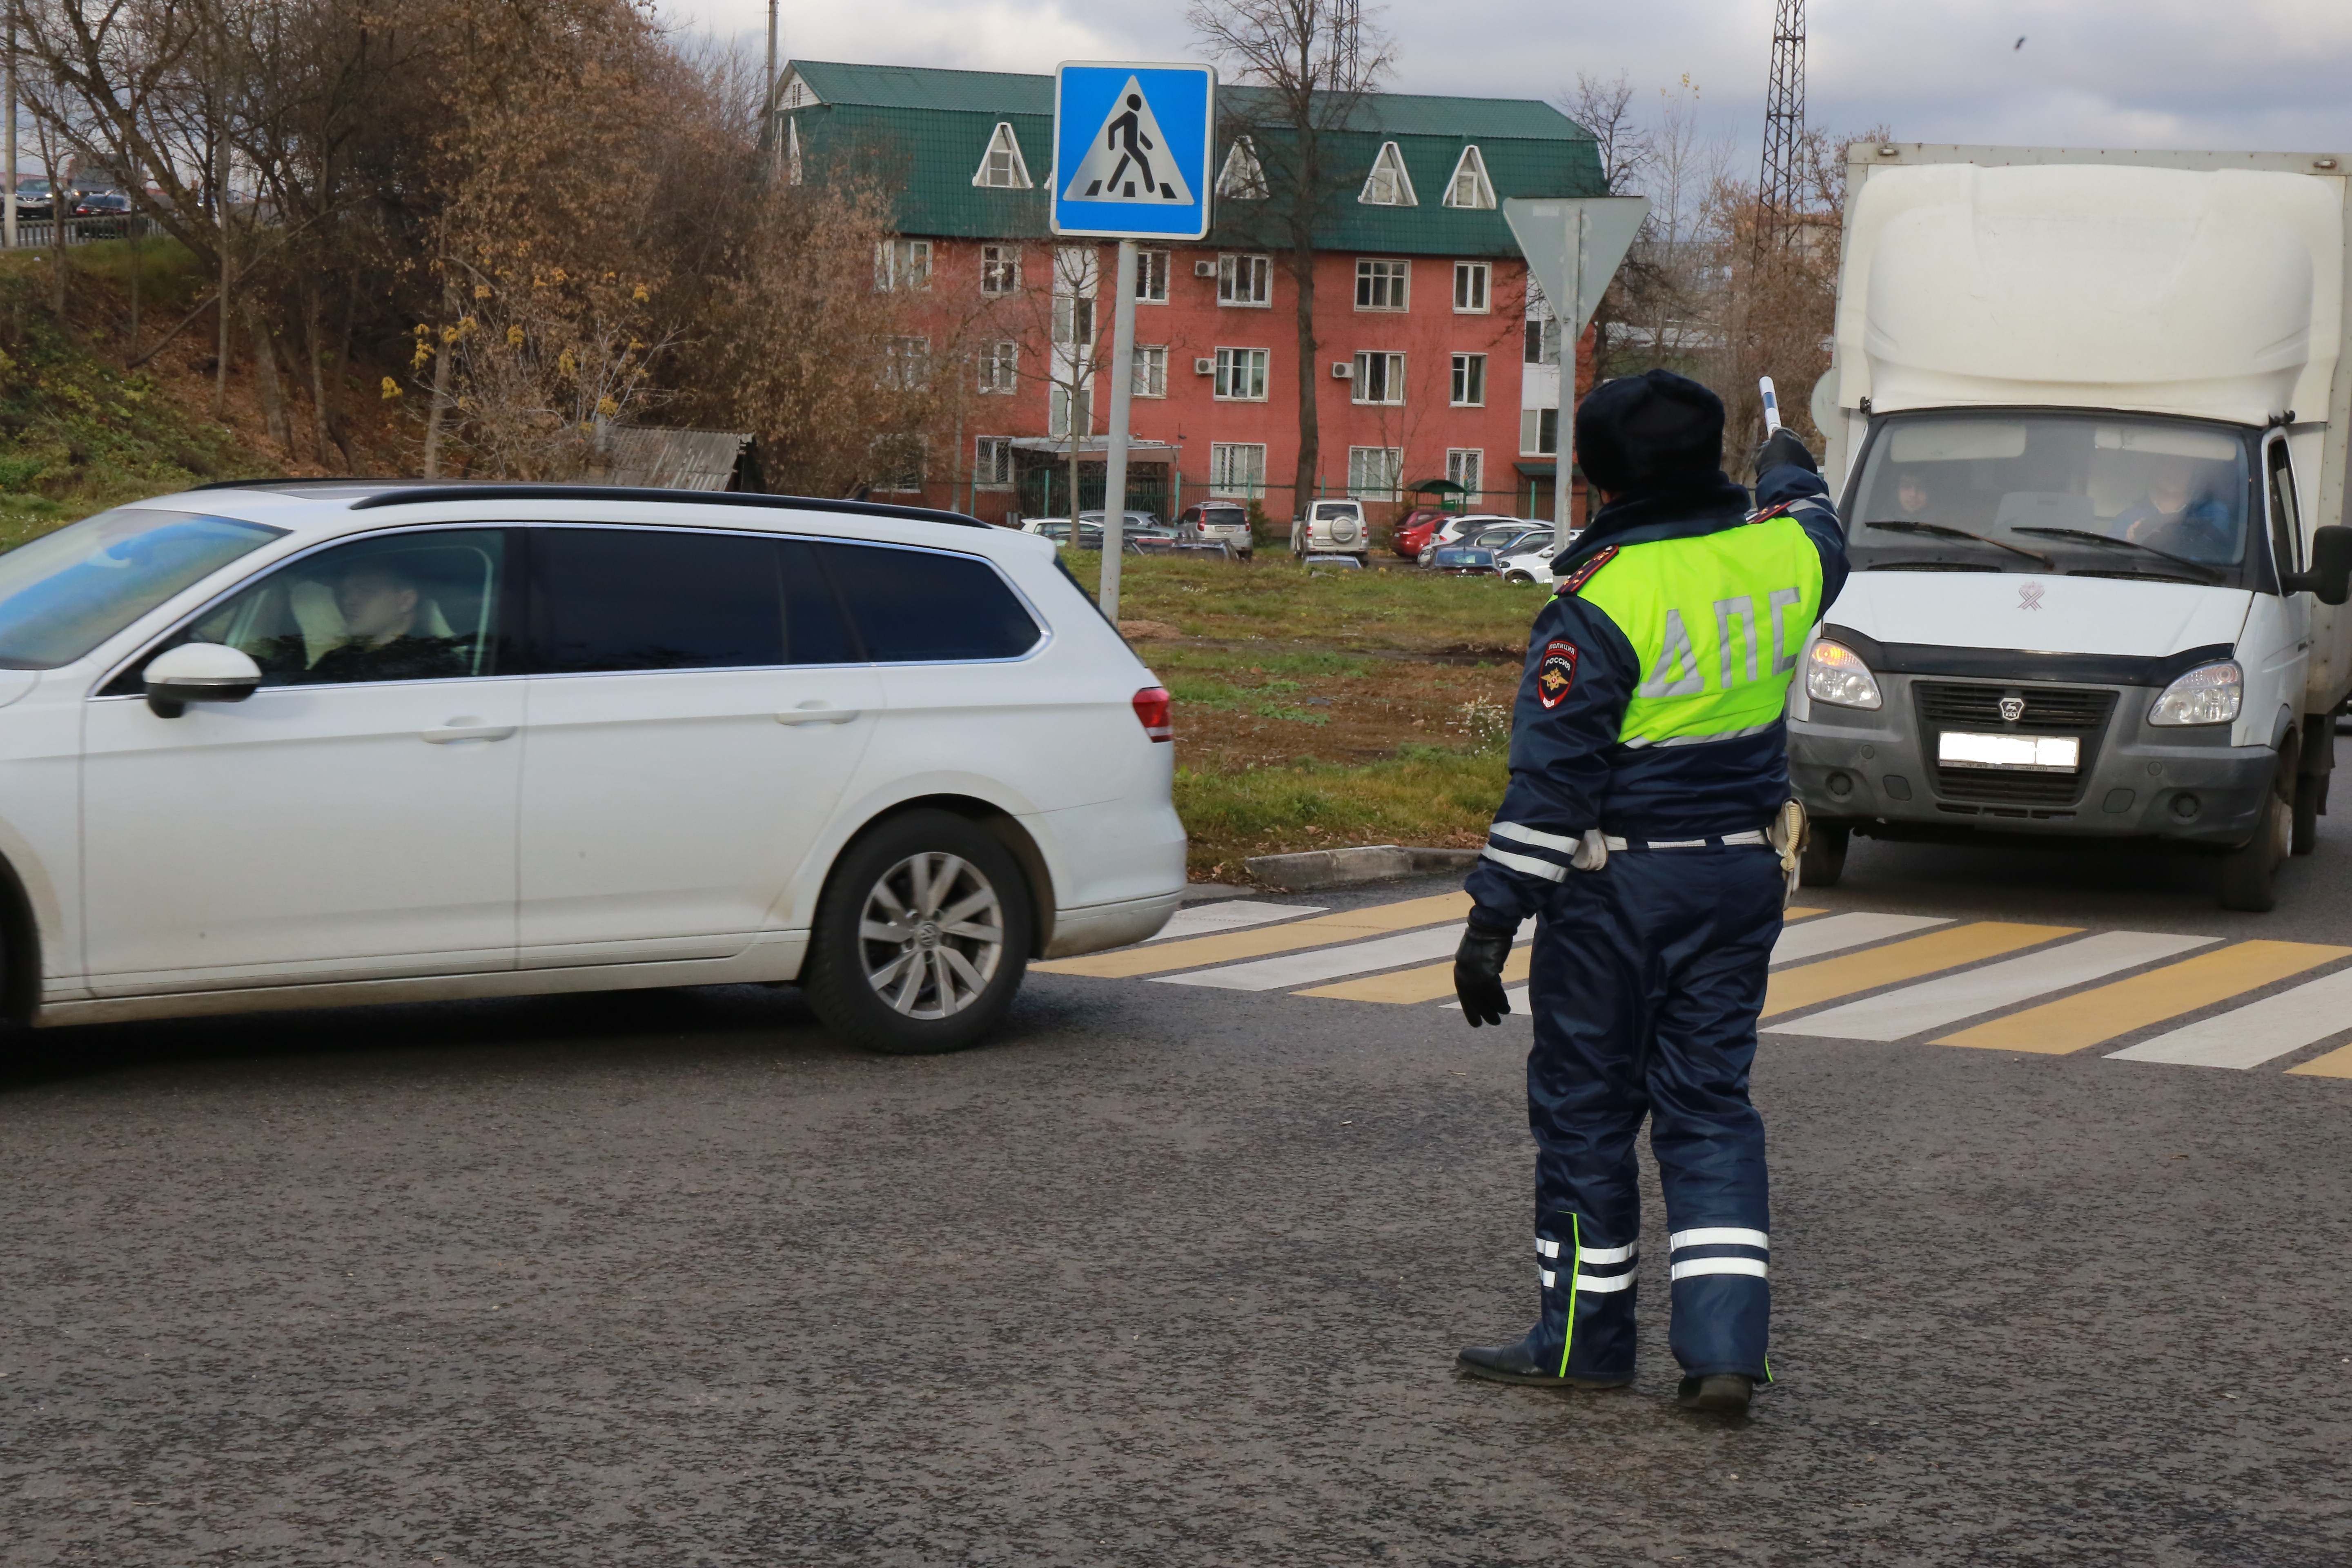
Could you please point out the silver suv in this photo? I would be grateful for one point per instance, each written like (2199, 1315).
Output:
(1333, 528)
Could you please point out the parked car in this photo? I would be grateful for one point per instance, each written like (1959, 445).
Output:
(1225, 523)
(316, 752)
(1057, 528)
(1136, 521)
(1456, 526)
(1531, 560)
(1479, 551)
(1411, 536)
(1332, 528)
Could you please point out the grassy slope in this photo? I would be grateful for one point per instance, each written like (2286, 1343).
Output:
(1312, 710)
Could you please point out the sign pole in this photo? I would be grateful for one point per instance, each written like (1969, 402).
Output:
(1571, 333)
(1122, 392)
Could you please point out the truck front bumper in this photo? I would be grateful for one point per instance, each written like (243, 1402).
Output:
(1876, 770)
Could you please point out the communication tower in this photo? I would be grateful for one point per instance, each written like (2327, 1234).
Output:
(1780, 189)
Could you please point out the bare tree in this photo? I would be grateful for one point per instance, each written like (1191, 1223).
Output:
(1314, 61)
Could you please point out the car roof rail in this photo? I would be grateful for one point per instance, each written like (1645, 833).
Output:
(418, 492)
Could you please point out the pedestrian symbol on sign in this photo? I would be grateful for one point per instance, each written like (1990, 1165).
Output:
(1128, 161)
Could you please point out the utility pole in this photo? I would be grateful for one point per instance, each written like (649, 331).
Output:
(8, 205)
(1780, 184)
(768, 137)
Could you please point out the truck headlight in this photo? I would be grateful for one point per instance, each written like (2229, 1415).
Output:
(2208, 694)
(1835, 674)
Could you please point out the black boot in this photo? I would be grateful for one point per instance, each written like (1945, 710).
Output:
(1724, 1393)
(1526, 1363)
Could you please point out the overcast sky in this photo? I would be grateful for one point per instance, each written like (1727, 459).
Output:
(2248, 74)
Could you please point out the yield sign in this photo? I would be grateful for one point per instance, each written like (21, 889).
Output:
(1130, 159)
(1573, 246)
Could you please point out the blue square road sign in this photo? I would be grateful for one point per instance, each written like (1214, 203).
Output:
(1132, 148)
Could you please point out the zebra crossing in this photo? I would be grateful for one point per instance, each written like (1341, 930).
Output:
(2185, 1000)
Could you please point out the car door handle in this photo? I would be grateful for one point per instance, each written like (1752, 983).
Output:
(464, 730)
(817, 713)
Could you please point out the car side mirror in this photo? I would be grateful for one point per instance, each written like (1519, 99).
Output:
(2330, 577)
(199, 672)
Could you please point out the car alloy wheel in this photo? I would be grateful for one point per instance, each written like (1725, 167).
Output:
(931, 935)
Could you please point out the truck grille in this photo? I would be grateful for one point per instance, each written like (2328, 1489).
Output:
(2049, 710)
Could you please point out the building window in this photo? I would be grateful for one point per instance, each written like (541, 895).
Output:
(901, 266)
(1471, 281)
(1540, 431)
(1236, 468)
(1000, 269)
(1150, 371)
(1151, 277)
(991, 463)
(1002, 166)
(793, 169)
(1244, 280)
(1469, 381)
(1388, 185)
(1057, 412)
(1543, 340)
(899, 462)
(1375, 472)
(1240, 376)
(1466, 466)
(1378, 378)
(1470, 187)
(999, 366)
(906, 364)
(1242, 179)
(1382, 285)
(1074, 318)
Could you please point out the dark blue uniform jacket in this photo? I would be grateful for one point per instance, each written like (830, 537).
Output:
(1567, 770)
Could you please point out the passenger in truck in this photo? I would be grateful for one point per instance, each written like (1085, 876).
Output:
(1912, 496)
(2181, 513)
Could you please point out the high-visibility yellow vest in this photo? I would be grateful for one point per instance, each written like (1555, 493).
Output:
(1717, 622)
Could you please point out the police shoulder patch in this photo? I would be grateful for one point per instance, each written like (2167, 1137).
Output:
(1576, 580)
(1556, 672)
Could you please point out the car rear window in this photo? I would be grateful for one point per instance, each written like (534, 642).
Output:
(924, 606)
(616, 599)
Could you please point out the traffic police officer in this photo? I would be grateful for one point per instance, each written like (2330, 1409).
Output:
(1648, 769)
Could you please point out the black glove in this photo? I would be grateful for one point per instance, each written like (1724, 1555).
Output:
(1784, 448)
(1478, 973)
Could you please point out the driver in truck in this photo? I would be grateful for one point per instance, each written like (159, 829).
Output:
(2180, 514)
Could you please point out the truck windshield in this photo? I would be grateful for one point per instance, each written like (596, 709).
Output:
(65, 592)
(2085, 494)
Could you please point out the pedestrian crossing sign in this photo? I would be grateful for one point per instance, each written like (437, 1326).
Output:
(1131, 149)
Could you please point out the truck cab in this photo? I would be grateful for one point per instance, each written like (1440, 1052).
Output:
(2086, 417)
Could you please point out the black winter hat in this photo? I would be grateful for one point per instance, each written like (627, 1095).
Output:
(1655, 431)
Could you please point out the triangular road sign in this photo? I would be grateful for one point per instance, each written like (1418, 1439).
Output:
(1130, 159)
(1550, 237)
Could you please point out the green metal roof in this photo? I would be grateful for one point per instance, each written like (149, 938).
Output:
(923, 132)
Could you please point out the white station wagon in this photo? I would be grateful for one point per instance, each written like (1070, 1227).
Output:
(312, 743)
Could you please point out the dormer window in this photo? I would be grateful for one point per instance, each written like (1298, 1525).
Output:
(1389, 185)
(1243, 179)
(1000, 167)
(1470, 187)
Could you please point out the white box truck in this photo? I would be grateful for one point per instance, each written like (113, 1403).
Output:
(2087, 416)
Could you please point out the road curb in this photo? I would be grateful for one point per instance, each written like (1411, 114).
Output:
(1363, 863)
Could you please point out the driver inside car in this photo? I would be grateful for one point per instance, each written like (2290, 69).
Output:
(376, 624)
(2180, 514)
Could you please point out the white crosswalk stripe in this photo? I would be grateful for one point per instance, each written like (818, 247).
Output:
(1289, 969)
(2249, 1036)
(1229, 914)
(1835, 934)
(1898, 1015)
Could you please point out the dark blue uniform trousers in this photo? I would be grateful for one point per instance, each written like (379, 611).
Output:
(1647, 977)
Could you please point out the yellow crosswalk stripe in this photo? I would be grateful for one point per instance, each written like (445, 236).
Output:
(1192, 953)
(2337, 1063)
(1429, 983)
(1799, 914)
(2071, 1023)
(1809, 983)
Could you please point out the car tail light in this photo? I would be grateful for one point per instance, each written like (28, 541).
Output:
(1152, 706)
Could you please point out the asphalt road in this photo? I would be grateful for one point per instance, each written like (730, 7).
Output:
(1170, 1275)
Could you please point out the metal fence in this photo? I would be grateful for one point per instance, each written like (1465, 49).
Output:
(39, 233)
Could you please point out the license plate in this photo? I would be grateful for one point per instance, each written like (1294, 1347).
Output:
(2026, 753)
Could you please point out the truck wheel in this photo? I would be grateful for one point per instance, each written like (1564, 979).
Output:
(2249, 873)
(2310, 790)
(1823, 859)
(921, 937)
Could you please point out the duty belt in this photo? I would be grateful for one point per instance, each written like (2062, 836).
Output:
(1717, 841)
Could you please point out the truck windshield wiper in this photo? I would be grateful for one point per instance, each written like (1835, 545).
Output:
(2213, 574)
(1905, 526)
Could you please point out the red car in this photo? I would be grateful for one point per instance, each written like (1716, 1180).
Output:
(1411, 536)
